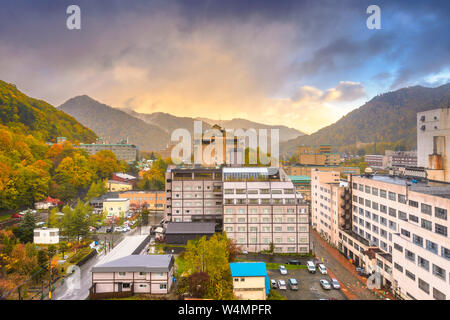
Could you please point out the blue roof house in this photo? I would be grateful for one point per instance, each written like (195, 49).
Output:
(250, 280)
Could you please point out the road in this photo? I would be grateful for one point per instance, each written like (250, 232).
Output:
(352, 286)
(67, 292)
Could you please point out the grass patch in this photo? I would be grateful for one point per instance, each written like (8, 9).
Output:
(180, 266)
(274, 295)
(5, 217)
(276, 266)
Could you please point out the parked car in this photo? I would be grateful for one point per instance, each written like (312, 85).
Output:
(293, 284)
(108, 230)
(325, 284)
(273, 283)
(119, 229)
(311, 266)
(283, 270)
(282, 285)
(335, 283)
(244, 252)
(322, 268)
(126, 228)
(296, 262)
(16, 216)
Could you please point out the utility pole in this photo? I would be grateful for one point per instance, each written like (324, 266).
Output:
(49, 278)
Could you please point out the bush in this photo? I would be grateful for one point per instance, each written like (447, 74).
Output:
(79, 255)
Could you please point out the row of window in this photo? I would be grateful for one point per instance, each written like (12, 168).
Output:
(266, 229)
(268, 240)
(422, 285)
(259, 191)
(266, 220)
(264, 210)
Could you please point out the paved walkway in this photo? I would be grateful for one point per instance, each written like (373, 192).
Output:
(353, 285)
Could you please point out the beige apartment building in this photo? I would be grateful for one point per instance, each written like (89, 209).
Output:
(261, 206)
(193, 194)
(330, 205)
(123, 151)
(400, 228)
(433, 143)
(304, 170)
(152, 200)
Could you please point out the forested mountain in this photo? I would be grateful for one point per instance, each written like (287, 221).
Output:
(389, 117)
(26, 115)
(114, 124)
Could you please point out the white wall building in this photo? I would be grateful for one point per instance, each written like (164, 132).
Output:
(46, 235)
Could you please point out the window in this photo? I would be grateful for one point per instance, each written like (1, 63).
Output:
(410, 275)
(401, 198)
(413, 218)
(392, 212)
(374, 205)
(162, 286)
(383, 208)
(439, 272)
(142, 273)
(383, 221)
(375, 191)
(398, 267)
(424, 286)
(410, 255)
(126, 285)
(438, 295)
(424, 208)
(427, 224)
(392, 196)
(367, 189)
(398, 247)
(445, 253)
(374, 217)
(382, 193)
(402, 216)
(122, 274)
(424, 263)
(417, 240)
(431, 246)
(440, 229)
(392, 225)
(414, 204)
(368, 204)
(440, 213)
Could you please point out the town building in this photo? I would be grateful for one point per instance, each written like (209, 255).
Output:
(182, 232)
(321, 156)
(378, 161)
(123, 151)
(124, 177)
(305, 170)
(401, 158)
(194, 194)
(261, 207)
(400, 228)
(115, 207)
(97, 203)
(46, 236)
(115, 185)
(250, 280)
(433, 143)
(150, 274)
(330, 205)
(302, 185)
(152, 200)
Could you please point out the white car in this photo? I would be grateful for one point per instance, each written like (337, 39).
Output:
(282, 285)
(325, 284)
(118, 229)
(126, 228)
(322, 268)
(283, 270)
(335, 284)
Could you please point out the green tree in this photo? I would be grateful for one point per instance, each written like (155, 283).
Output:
(51, 251)
(53, 220)
(27, 227)
(42, 258)
(63, 248)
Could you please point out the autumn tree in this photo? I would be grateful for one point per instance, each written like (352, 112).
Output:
(27, 227)
(104, 163)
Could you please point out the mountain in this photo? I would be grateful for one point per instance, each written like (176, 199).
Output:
(286, 133)
(170, 122)
(389, 117)
(26, 115)
(114, 124)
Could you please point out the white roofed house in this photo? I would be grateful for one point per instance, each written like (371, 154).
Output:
(150, 274)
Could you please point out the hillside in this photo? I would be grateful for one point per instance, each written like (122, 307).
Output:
(114, 125)
(26, 115)
(286, 133)
(389, 117)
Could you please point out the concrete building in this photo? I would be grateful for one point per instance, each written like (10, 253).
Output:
(433, 143)
(182, 232)
(401, 158)
(321, 156)
(152, 200)
(378, 161)
(124, 177)
(123, 151)
(115, 185)
(261, 206)
(151, 274)
(194, 194)
(114, 207)
(305, 170)
(302, 185)
(250, 280)
(46, 236)
(401, 229)
(330, 205)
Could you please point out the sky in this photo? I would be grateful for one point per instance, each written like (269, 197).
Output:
(303, 64)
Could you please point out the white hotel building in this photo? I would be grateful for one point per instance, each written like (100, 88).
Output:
(261, 206)
(402, 228)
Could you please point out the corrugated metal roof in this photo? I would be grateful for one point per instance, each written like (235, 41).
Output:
(190, 227)
(137, 263)
(250, 269)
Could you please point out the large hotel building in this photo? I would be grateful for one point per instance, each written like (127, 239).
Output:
(255, 206)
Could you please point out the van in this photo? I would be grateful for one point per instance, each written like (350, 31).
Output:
(293, 284)
(311, 266)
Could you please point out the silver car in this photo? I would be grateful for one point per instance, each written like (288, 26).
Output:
(283, 270)
(335, 283)
(325, 284)
(282, 285)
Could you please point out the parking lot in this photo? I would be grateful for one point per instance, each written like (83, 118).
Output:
(309, 287)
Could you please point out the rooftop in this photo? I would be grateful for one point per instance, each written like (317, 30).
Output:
(191, 227)
(295, 178)
(124, 175)
(250, 269)
(137, 263)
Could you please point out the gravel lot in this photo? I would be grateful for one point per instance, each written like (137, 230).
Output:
(309, 287)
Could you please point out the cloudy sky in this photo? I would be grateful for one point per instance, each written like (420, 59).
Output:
(303, 64)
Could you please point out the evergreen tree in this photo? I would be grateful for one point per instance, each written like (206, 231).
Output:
(27, 227)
